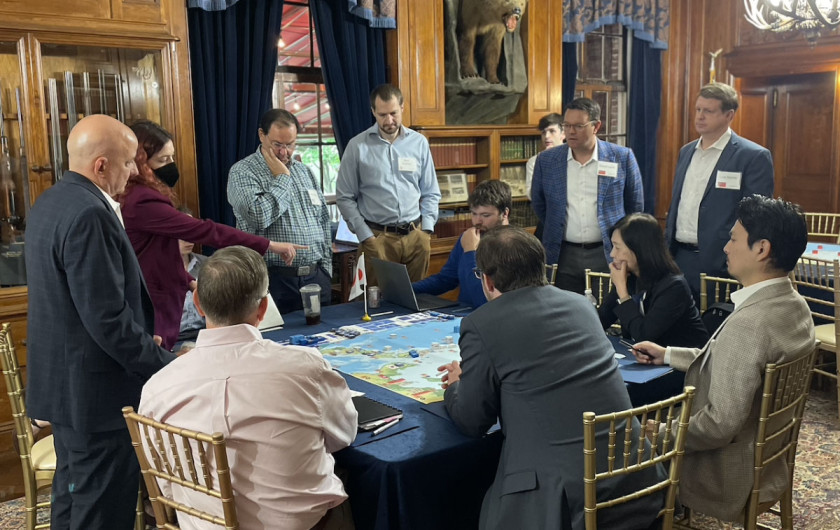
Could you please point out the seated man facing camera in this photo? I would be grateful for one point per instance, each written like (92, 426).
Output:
(282, 409)
(771, 323)
(536, 357)
(490, 205)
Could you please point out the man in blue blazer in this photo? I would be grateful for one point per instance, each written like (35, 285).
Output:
(713, 174)
(89, 329)
(579, 191)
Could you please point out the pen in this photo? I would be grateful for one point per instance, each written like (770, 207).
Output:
(382, 313)
(386, 426)
(632, 348)
(377, 423)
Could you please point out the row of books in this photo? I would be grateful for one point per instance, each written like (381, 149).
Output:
(453, 152)
(519, 147)
(452, 223)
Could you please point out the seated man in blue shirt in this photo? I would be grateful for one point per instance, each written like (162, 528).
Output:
(490, 205)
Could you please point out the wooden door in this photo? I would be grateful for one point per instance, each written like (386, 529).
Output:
(794, 116)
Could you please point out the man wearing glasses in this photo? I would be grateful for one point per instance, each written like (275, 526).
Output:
(713, 174)
(490, 205)
(579, 191)
(275, 196)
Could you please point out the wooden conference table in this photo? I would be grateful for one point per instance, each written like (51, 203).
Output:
(423, 473)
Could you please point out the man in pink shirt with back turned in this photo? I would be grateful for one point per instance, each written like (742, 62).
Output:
(282, 409)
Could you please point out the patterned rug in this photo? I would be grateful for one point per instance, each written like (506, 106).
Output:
(816, 484)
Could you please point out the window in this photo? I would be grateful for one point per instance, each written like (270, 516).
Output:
(602, 67)
(299, 88)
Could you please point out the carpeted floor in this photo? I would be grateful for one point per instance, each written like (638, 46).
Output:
(816, 496)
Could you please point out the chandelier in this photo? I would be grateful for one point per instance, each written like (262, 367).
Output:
(807, 16)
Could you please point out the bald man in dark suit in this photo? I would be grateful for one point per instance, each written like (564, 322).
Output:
(90, 329)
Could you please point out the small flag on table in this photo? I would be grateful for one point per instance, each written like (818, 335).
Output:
(359, 279)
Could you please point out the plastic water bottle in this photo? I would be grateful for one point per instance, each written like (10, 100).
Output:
(590, 297)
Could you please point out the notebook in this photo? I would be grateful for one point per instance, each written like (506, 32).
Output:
(370, 410)
(396, 287)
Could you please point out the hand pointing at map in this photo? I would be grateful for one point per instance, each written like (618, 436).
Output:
(452, 375)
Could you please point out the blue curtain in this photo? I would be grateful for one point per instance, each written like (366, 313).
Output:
(353, 64)
(570, 69)
(233, 57)
(645, 103)
(378, 13)
(649, 19)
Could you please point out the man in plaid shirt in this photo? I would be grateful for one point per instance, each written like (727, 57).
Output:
(277, 197)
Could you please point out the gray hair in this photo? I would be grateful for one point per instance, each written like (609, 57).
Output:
(231, 285)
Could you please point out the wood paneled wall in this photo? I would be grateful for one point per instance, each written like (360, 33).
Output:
(702, 26)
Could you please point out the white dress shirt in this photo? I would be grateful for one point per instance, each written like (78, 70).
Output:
(114, 204)
(282, 409)
(697, 175)
(582, 200)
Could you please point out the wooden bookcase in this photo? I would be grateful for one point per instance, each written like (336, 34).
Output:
(126, 58)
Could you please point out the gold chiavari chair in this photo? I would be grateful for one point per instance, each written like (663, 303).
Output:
(37, 458)
(823, 226)
(620, 459)
(180, 457)
(599, 283)
(818, 281)
(783, 394)
(714, 289)
(551, 273)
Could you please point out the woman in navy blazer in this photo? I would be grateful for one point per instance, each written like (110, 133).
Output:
(650, 296)
(154, 227)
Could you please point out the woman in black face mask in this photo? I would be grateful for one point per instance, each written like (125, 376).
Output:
(154, 227)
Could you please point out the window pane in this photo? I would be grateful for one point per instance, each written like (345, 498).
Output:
(614, 59)
(592, 67)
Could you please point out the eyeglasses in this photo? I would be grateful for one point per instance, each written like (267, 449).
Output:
(576, 126)
(478, 273)
(285, 147)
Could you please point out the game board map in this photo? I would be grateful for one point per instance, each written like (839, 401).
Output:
(401, 353)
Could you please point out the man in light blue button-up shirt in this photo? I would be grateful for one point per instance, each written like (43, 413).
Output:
(387, 189)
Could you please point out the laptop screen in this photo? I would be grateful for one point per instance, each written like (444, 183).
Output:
(343, 234)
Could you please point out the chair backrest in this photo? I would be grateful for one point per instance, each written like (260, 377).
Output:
(180, 457)
(714, 289)
(823, 226)
(600, 283)
(551, 273)
(782, 406)
(16, 391)
(818, 282)
(666, 448)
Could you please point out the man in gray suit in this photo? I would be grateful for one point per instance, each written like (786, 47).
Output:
(771, 324)
(90, 329)
(536, 357)
(713, 175)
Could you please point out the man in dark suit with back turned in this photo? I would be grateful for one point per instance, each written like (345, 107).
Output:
(90, 329)
(536, 357)
(713, 175)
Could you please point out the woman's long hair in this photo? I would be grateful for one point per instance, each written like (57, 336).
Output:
(643, 236)
(151, 138)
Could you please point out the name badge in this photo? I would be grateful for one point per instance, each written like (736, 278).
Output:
(729, 180)
(313, 196)
(407, 164)
(607, 169)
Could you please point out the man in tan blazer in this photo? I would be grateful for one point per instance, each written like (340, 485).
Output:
(771, 323)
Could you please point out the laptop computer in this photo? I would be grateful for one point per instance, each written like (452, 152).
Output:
(396, 287)
(343, 233)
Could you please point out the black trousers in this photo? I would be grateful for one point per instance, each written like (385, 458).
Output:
(286, 289)
(96, 480)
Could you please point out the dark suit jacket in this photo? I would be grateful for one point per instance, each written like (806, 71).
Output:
(719, 206)
(617, 196)
(90, 347)
(670, 315)
(154, 227)
(538, 358)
